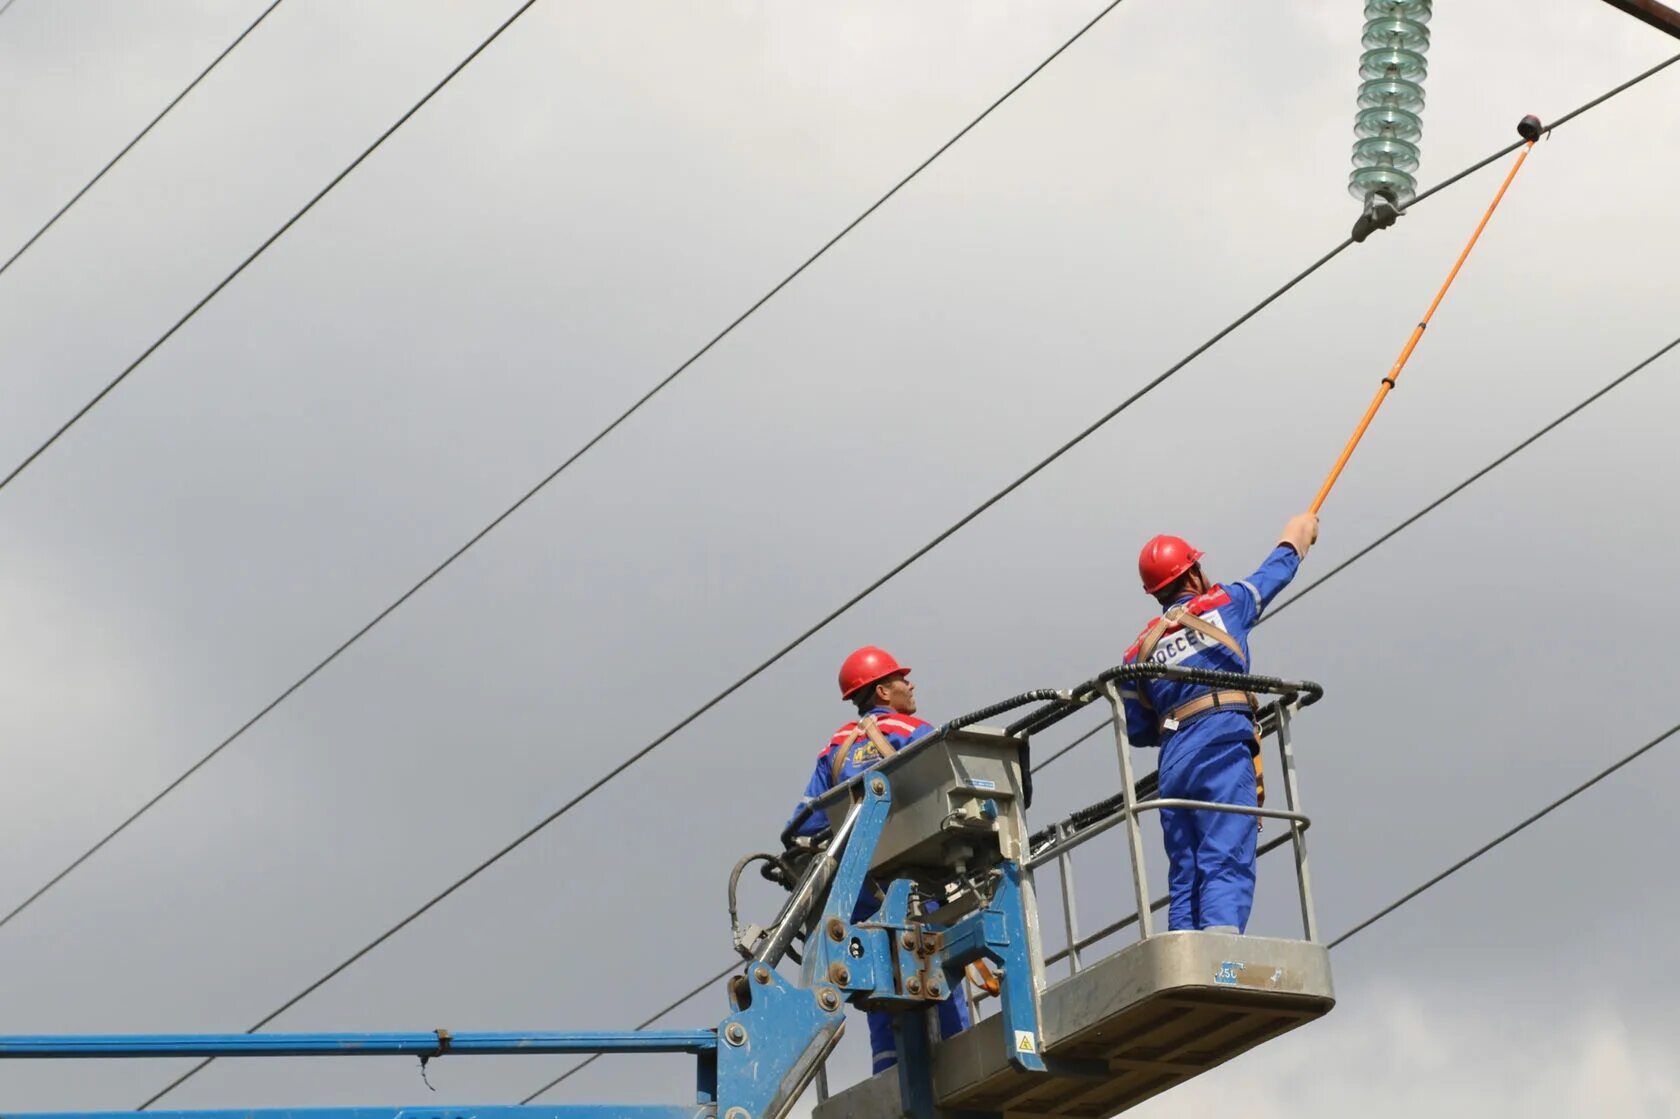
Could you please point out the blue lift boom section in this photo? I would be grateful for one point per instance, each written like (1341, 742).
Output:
(938, 834)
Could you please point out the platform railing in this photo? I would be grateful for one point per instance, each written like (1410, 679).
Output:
(1057, 843)
(1139, 796)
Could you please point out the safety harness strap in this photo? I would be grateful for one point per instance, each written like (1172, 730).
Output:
(1181, 616)
(1178, 615)
(1207, 701)
(1212, 699)
(1146, 645)
(865, 727)
(838, 762)
(1146, 648)
(1224, 700)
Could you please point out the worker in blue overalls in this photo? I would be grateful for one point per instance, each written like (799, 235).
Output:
(886, 703)
(1210, 748)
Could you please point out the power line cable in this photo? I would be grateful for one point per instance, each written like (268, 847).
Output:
(1065, 750)
(1495, 842)
(529, 494)
(1348, 935)
(764, 665)
(1556, 124)
(642, 1025)
(745, 679)
(534, 490)
(260, 249)
(200, 763)
(1466, 484)
(1411, 520)
(141, 135)
(658, 387)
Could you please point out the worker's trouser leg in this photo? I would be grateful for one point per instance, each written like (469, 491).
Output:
(883, 1047)
(1178, 831)
(953, 1019)
(1211, 854)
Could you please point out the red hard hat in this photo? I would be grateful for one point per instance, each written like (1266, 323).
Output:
(867, 666)
(1164, 559)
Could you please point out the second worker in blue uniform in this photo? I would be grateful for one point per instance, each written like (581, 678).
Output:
(885, 699)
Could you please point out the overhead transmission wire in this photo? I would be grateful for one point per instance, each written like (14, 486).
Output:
(701, 989)
(1402, 900)
(135, 364)
(660, 385)
(1326, 577)
(1507, 456)
(439, 569)
(1332, 573)
(540, 485)
(111, 385)
(811, 631)
(1437, 879)
(141, 135)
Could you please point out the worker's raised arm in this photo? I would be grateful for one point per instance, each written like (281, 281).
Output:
(1298, 536)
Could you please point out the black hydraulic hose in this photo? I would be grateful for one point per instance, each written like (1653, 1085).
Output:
(735, 884)
(802, 814)
(1047, 716)
(1308, 692)
(1038, 695)
(1304, 692)
(1148, 787)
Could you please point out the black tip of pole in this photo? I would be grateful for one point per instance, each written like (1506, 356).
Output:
(1529, 128)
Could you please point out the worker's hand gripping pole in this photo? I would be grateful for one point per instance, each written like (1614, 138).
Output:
(1529, 133)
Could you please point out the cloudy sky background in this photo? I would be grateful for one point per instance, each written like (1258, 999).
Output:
(593, 198)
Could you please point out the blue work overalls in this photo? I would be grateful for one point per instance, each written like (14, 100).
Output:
(1209, 756)
(847, 755)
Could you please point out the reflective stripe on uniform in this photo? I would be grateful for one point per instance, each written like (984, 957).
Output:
(1259, 603)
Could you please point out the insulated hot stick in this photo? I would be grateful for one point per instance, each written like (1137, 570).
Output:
(1529, 129)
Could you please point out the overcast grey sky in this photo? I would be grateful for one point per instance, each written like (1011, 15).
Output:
(599, 193)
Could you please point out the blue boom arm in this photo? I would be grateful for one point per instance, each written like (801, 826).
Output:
(755, 1064)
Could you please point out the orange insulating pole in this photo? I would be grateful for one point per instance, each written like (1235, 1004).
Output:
(1417, 333)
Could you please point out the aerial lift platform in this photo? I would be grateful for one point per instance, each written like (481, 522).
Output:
(935, 840)
(1126, 1026)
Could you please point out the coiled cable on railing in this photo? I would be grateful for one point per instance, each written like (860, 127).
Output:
(1299, 693)
(1038, 695)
